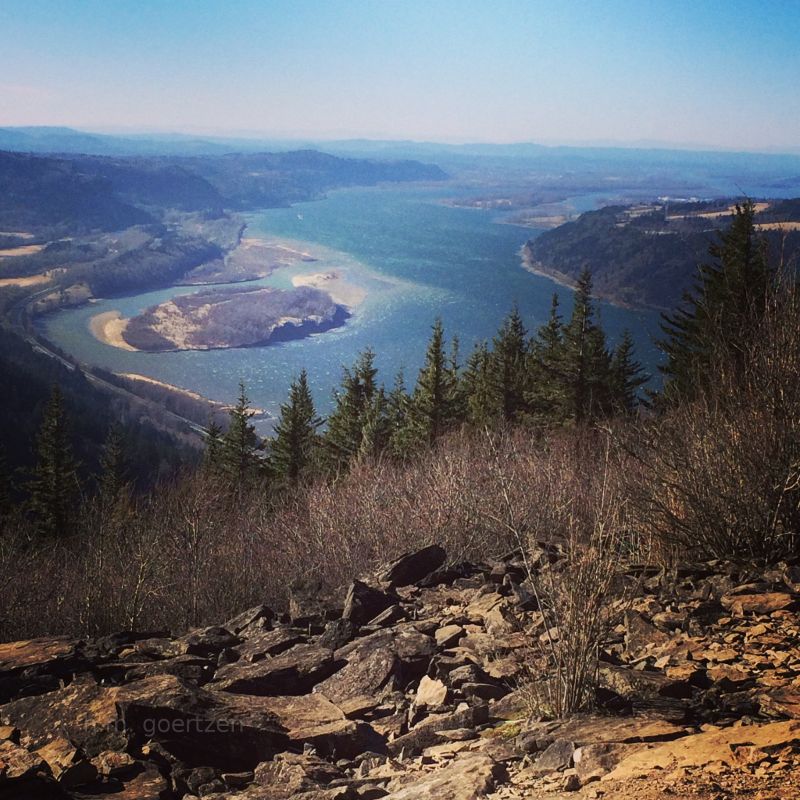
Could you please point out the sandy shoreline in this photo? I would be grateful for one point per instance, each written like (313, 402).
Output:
(171, 387)
(561, 279)
(108, 328)
(332, 282)
(135, 376)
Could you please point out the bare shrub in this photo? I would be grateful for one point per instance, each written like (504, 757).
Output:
(723, 472)
(576, 541)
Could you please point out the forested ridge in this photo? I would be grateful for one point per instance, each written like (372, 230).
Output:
(647, 255)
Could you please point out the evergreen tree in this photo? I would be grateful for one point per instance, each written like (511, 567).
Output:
(239, 458)
(54, 485)
(727, 298)
(375, 427)
(355, 402)
(214, 440)
(458, 407)
(482, 407)
(509, 369)
(585, 359)
(398, 416)
(627, 376)
(546, 395)
(434, 401)
(293, 448)
(113, 471)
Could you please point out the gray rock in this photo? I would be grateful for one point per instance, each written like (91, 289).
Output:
(413, 567)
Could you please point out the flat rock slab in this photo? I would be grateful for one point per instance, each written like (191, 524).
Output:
(147, 784)
(84, 712)
(35, 652)
(618, 730)
(766, 603)
(266, 644)
(33, 666)
(370, 665)
(296, 672)
(413, 567)
(467, 778)
(17, 764)
(704, 748)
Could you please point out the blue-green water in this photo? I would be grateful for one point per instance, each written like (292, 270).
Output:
(418, 259)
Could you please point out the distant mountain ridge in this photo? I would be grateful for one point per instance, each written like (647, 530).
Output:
(80, 193)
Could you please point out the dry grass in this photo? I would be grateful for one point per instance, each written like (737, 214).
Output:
(577, 541)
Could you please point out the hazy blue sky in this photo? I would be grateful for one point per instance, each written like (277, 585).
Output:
(683, 71)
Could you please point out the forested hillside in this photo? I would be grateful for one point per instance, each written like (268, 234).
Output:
(648, 255)
(73, 227)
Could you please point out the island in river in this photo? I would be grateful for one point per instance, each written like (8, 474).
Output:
(221, 318)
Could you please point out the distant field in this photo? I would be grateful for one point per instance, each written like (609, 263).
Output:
(30, 280)
(778, 226)
(25, 250)
(758, 207)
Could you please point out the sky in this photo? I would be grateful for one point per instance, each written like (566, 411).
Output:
(681, 72)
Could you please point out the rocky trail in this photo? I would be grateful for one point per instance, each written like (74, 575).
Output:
(411, 686)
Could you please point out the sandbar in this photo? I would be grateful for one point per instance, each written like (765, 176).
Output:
(333, 283)
(109, 328)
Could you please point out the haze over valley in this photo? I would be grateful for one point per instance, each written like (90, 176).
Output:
(399, 400)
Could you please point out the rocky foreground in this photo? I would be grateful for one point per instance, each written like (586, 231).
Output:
(412, 687)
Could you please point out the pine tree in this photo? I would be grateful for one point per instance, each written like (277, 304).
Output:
(214, 439)
(398, 425)
(355, 402)
(627, 376)
(546, 396)
(113, 477)
(54, 485)
(433, 402)
(375, 428)
(585, 359)
(727, 299)
(509, 373)
(239, 454)
(293, 450)
(458, 407)
(483, 408)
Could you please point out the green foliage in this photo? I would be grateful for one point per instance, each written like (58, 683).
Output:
(214, 439)
(434, 403)
(113, 480)
(482, 407)
(507, 372)
(359, 405)
(54, 484)
(727, 301)
(585, 360)
(627, 376)
(239, 460)
(293, 450)
(546, 396)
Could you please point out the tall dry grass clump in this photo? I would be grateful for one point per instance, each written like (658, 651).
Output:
(577, 542)
(722, 473)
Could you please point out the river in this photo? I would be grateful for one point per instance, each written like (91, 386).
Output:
(417, 258)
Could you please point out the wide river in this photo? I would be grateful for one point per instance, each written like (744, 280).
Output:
(417, 258)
